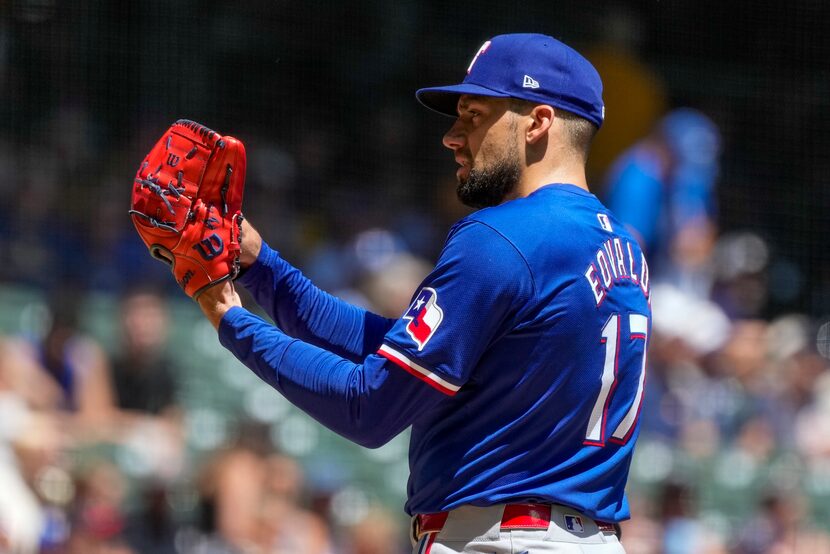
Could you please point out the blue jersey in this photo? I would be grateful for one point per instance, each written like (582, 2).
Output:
(528, 342)
(534, 323)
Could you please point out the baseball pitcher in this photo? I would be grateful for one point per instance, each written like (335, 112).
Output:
(521, 361)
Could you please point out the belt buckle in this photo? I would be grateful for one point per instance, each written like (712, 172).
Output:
(429, 523)
(526, 516)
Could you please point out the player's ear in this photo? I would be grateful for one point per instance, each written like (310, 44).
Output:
(541, 119)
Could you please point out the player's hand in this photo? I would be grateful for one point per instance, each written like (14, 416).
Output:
(217, 300)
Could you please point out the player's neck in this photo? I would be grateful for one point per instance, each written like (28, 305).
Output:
(535, 177)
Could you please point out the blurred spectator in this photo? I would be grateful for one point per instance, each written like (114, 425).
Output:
(146, 387)
(22, 380)
(663, 189)
(634, 94)
(229, 487)
(740, 261)
(249, 502)
(377, 533)
(22, 437)
(812, 425)
(73, 364)
(683, 533)
(98, 517)
(642, 534)
(684, 387)
(31, 441)
(696, 324)
(798, 380)
(143, 374)
(152, 528)
(743, 360)
(286, 527)
(774, 528)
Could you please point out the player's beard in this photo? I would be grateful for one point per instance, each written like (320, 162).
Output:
(488, 186)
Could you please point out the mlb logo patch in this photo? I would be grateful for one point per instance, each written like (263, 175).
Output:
(574, 523)
(424, 317)
(605, 223)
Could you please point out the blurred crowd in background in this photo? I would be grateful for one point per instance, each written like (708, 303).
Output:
(714, 153)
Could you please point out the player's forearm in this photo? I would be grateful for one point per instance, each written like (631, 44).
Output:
(217, 300)
(250, 244)
(304, 311)
(366, 403)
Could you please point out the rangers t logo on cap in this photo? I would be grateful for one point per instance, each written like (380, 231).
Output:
(481, 50)
(533, 67)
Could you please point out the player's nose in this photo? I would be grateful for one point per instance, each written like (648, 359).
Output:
(454, 138)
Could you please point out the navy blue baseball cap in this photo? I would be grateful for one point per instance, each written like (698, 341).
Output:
(532, 67)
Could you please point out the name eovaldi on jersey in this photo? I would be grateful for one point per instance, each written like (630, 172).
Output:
(616, 261)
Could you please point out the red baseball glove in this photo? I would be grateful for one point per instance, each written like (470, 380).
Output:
(187, 202)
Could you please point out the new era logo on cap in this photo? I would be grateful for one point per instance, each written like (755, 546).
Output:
(530, 82)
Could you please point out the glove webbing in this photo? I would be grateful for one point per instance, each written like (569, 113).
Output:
(206, 134)
(152, 183)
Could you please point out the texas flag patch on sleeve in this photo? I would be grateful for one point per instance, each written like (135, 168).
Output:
(424, 317)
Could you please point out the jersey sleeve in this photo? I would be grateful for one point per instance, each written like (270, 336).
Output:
(478, 288)
(368, 403)
(305, 312)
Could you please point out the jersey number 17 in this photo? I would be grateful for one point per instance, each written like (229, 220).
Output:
(613, 341)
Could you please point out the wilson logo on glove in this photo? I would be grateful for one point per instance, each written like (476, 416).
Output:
(172, 209)
(210, 247)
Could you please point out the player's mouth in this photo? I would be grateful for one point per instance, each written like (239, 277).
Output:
(464, 171)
